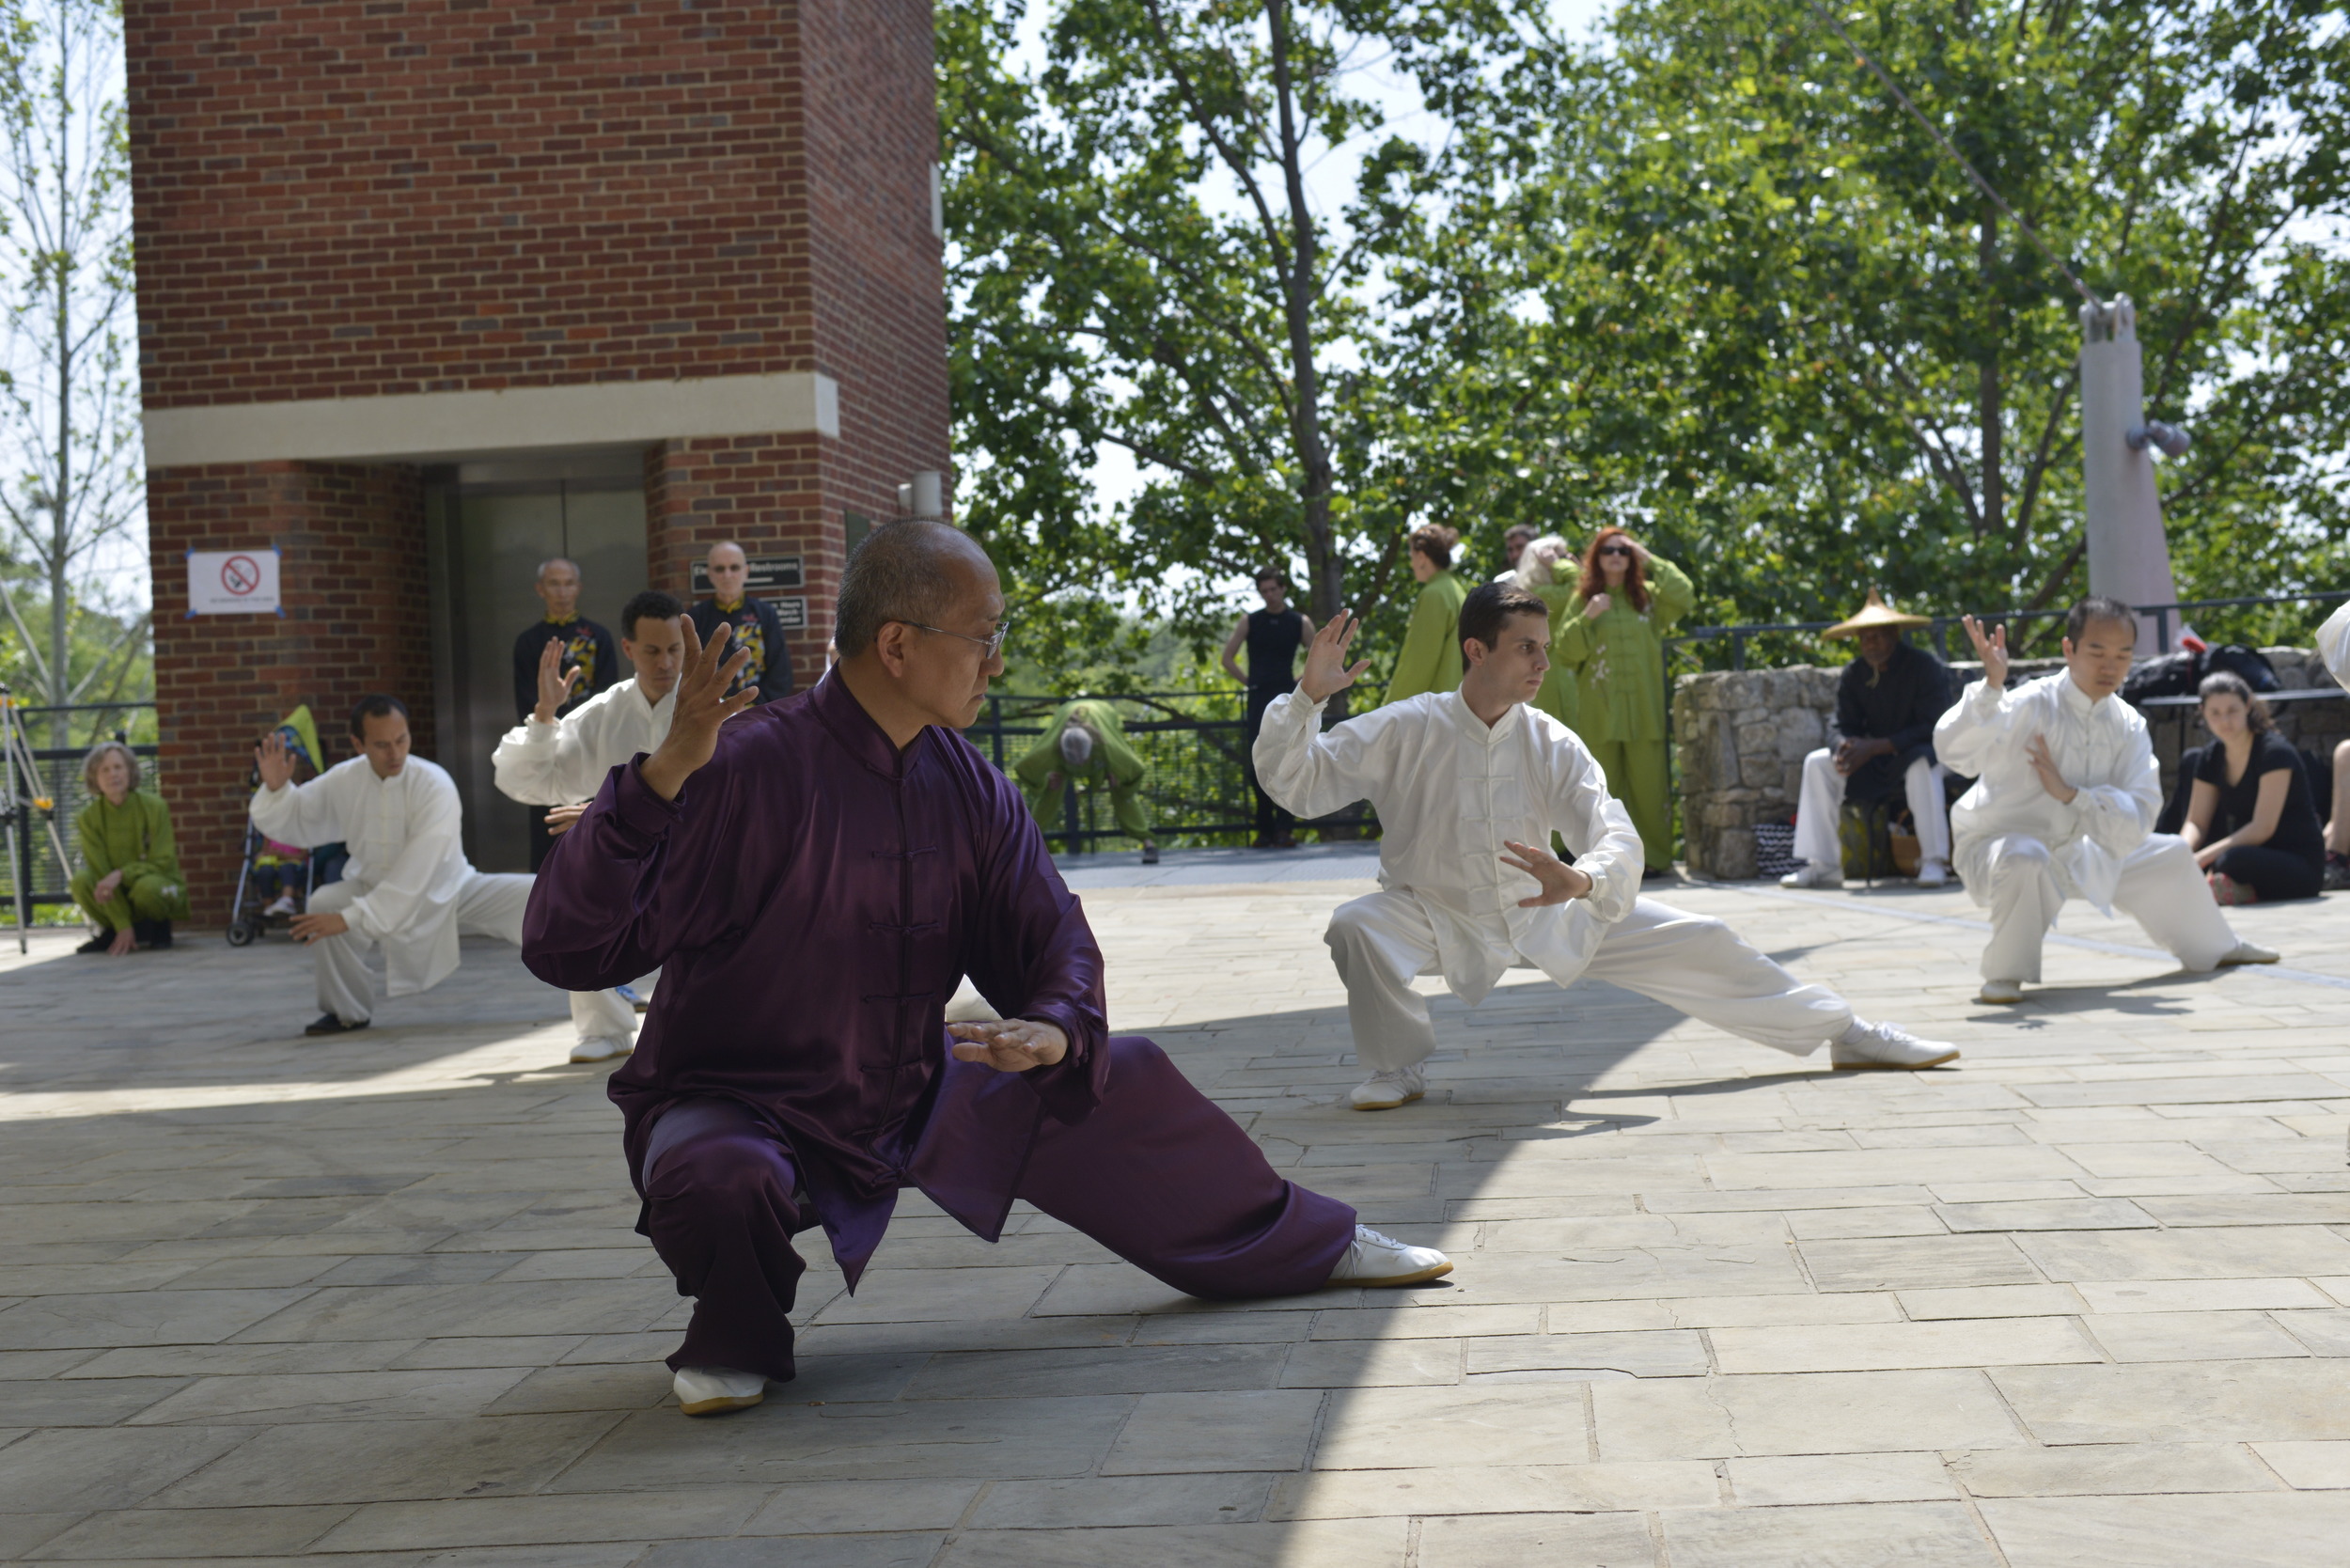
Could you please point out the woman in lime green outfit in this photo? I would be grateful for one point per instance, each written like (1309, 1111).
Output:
(128, 883)
(1537, 574)
(1430, 659)
(1628, 601)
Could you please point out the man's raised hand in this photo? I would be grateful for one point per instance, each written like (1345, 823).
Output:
(1561, 882)
(1009, 1045)
(1991, 650)
(700, 706)
(273, 762)
(1327, 673)
(555, 681)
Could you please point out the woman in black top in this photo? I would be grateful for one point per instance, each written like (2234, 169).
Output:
(1273, 636)
(2250, 822)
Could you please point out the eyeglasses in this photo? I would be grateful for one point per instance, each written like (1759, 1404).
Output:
(1615, 549)
(993, 645)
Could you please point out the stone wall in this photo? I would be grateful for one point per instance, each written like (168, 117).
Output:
(1740, 738)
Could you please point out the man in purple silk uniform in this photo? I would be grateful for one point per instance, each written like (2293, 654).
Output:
(812, 881)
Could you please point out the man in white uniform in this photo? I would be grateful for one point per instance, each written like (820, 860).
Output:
(2064, 803)
(408, 887)
(1469, 782)
(561, 761)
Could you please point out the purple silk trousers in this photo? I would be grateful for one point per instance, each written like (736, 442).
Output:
(1157, 1173)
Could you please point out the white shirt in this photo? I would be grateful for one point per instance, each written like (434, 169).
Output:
(564, 763)
(2102, 749)
(406, 857)
(1449, 791)
(2333, 644)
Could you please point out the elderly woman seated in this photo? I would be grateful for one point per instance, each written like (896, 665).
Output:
(128, 883)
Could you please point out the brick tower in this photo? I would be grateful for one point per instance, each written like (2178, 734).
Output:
(425, 284)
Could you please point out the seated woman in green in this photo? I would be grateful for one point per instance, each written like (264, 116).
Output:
(1430, 660)
(1086, 744)
(128, 883)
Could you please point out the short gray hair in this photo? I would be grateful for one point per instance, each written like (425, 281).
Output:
(899, 574)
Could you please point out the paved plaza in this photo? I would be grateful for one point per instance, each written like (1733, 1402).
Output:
(378, 1300)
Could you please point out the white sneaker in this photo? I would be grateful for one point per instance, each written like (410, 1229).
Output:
(2000, 992)
(1886, 1045)
(599, 1050)
(2248, 953)
(1396, 1086)
(282, 904)
(1933, 874)
(707, 1390)
(1377, 1259)
(1812, 874)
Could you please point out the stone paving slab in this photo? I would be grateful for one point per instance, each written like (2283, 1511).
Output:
(2084, 1300)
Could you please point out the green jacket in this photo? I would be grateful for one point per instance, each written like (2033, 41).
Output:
(1430, 660)
(133, 838)
(1561, 695)
(1619, 659)
(1111, 750)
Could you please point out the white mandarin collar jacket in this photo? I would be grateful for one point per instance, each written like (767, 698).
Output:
(563, 763)
(407, 857)
(2102, 749)
(1449, 791)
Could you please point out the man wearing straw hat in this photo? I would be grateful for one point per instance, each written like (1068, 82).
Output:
(1885, 707)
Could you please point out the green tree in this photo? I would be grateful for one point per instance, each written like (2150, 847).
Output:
(72, 487)
(1136, 261)
(1724, 291)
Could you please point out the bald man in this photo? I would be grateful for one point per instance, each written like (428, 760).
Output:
(816, 877)
(755, 629)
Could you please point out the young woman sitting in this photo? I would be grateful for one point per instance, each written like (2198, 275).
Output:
(2250, 822)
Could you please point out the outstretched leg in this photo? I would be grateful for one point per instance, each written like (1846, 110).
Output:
(1160, 1175)
(2163, 891)
(1699, 966)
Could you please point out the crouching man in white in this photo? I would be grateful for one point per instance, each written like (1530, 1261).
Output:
(562, 762)
(1468, 782)
(2064, 803)
(408, 887)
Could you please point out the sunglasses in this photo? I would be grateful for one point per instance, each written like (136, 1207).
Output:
(1615, 549)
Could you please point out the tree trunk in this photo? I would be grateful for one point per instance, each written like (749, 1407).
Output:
(1325, 587)
(1990, 402)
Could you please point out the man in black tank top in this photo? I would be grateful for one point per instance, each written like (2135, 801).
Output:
(1273, 636)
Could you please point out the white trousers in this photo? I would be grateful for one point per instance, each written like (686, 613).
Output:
(1824, 796)
(1690, 962)
(2161, 888)
(491, 906)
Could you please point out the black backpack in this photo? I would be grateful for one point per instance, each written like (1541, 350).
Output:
(2167, 675)
(2236, 659)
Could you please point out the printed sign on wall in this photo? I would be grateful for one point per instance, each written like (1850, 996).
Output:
(767, 572)
(233, 582)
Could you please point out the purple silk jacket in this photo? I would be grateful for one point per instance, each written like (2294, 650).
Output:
(811, 899)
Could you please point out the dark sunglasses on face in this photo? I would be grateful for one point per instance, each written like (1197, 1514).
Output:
(1615, 549)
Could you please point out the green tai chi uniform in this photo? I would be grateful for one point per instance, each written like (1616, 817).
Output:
(1618, 661)
(135, 839)
(1113, 764)
(1561, 695)
(1430, 659)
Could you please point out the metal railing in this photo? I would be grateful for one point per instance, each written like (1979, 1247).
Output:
(69, 730)
(1194, 789)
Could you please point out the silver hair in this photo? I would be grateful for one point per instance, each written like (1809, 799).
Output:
(1534, 572)
(557, 560)
(899, 573)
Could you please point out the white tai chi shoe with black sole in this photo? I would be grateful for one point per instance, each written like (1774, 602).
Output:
(1377, 1259)
(708, 1390)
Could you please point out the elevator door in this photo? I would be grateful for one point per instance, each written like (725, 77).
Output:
(497, 536)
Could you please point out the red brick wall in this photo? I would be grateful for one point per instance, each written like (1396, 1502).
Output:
(765, 493)
(347, 198)
(358, 619)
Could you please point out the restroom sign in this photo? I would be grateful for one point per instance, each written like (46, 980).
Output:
(233, 582)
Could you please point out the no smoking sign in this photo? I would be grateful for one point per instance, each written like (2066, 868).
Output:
(233, 582)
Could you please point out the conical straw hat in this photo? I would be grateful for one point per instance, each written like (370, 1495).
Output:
(1876, 613)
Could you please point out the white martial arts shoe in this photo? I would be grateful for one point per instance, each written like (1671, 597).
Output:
(1812, 874)
(1377, 1259)
(1384, 1090)
(1866, 1046)
(1933, 874)
(707, 1390)
(2248, 953)
(601, 1050)
(2000, 992)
